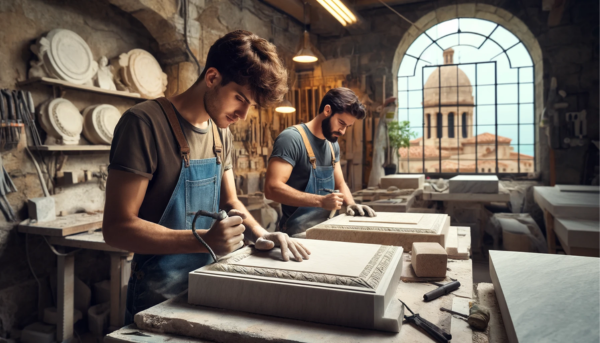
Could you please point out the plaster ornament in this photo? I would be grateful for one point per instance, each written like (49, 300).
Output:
(104, 77)
(99, 122)
(62, 120)
(139, 71)
(64, 55)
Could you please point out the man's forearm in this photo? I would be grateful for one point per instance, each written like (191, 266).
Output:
(144, 237)
(253, 229)
(290, 196)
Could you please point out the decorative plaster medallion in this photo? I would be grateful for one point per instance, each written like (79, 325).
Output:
(71, 57)
(100, 122)
(65, 121)
(140, 72)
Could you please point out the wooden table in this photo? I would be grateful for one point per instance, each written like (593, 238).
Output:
(574, 206)
(478, 202)
(247, 327)
(120, 266)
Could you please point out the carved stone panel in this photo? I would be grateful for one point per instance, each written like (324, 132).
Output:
(391, 228)
(342, 283)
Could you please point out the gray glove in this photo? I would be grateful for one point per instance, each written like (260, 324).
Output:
(361, 210)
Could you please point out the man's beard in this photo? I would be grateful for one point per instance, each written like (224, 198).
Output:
(327, 131)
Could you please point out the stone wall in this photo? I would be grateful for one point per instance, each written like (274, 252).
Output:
(568, 52)
(109, 27)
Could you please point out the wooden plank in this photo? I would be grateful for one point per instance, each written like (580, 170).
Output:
(55, 82)
(84, 240)
(65, 297)
(550, 236)
(63, 226)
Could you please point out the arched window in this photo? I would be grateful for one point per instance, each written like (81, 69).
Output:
(428, 125)
(450, 125)
(482, 71)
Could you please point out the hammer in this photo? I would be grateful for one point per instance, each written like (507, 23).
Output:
(478, 318)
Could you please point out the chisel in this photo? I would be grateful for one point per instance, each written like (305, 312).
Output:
(332, 214)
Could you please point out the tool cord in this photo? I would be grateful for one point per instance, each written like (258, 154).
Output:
(206, 214)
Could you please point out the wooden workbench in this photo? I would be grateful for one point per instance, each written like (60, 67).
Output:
(67, 232)
(201, 324)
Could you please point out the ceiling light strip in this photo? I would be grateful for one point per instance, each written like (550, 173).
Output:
(332, 12)
(339, 11)
(346, 10)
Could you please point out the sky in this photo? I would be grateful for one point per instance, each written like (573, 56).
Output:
(514, 72)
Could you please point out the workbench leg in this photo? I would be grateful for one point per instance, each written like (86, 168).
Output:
(65, 301)
(550, 236)
(120, 269)
(125, 263)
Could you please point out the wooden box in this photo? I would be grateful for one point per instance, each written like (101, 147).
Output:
(389, 228)
(344, 284)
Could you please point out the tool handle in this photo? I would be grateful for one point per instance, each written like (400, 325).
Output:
(442, 290)
(435, 332)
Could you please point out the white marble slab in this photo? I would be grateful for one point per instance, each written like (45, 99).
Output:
(547, 298)
(579, 188)
(408, 181)
(476, 184)
(578, 232)
(568, 205)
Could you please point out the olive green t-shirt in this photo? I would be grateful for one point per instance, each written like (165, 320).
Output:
(144, 144)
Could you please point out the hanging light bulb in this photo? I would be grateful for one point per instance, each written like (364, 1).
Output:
(305, 54)
(285, 107)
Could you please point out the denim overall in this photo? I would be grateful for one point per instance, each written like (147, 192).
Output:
(156, 278)
(321, 177)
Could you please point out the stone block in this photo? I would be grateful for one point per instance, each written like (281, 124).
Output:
(486, 8)
(425, 19)
(403, 181)
(504, 14)
(446, 13)
(478, 184)
(429, 259)
(42, 209)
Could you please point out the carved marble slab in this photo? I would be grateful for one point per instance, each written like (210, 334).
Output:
(342, 283)
(546, 297)
(62, 121)
(478, 184)
(138, 71)
(99, 123)
(63, 54)
(399, 229)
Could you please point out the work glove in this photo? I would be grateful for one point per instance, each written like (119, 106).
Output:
(288, 245)
(361, 210)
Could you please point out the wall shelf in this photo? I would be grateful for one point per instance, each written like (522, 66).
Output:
(64, 84)
(71, 148)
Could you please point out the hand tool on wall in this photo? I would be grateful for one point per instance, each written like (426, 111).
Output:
(478, 318)
(431, 329)
(24, 102)
(332, 214)
(443, 289)
(6, 186)
(10, 119)
(217, 216)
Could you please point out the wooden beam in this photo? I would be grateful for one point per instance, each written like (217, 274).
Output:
(293, 8)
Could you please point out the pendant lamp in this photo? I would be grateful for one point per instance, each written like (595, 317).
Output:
(305, 54)
(285, 107)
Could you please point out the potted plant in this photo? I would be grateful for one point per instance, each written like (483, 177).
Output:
(399, 136)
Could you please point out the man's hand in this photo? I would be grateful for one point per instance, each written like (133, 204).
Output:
(287, 244)
(332, 201)
(361, 210)
(226, 235)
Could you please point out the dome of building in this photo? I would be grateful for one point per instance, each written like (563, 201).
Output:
(455, 86)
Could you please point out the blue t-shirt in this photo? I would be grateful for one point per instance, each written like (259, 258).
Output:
(289, 146)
